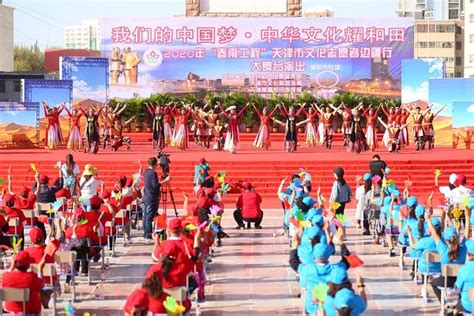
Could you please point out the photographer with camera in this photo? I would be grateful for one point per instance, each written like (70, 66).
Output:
(151, 196)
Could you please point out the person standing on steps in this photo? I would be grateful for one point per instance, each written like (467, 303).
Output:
(151, 196)
(340, 193)
(248, 208)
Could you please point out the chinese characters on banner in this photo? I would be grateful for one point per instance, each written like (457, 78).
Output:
(264, 55)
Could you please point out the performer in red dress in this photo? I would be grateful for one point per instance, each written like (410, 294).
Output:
(402, 120)
(392, 116)
(262, 140)
(232, 137)
(181, 135)
(326, 129)
(310, 132)
(428, 118)
(370, 131)
(53, 135)
(75, 138)
(167, 130)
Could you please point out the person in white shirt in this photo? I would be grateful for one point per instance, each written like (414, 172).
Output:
(69, 172)
(88, 185)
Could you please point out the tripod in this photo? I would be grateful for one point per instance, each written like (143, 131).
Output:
(163, 204)
(163, 200)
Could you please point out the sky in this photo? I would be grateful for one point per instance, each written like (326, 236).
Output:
(53, 96)
(463, 114)
(415, 77)
(44, 20)
(445, 91)
(89, 82)
(27, 118)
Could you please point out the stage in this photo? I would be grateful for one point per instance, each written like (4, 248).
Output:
(264, 168)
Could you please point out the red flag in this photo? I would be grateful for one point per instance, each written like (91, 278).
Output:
(51, 248)
(404, 211)
(354, 261)
(161, 221)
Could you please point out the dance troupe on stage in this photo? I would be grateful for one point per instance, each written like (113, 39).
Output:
(220, 127)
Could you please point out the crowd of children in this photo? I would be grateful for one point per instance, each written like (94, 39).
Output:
(82, 217)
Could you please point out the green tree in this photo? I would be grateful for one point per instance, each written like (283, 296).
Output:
(28, 59)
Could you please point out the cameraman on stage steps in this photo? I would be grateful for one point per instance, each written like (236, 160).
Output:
(151, 196)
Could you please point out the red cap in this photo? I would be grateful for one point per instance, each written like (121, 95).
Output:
(44, 179)
(36, 235)
(175, 224)
(202, 160)
(246, 185)
(138, 298)
(95, 202)
(23, 259)
(25, 191)
(65, 193)
(8, 198)
(105, 195)
(461, 180)
(129, 183)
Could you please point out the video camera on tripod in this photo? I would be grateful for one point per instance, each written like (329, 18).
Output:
(164, 163)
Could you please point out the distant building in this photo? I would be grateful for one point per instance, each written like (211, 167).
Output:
(51, 56)
(469, 39)
(321, 14)
(6, 37)
(431, 9)
(380, 69)
(248, 8)
(441, 39)
(85, 36)
(10, 85)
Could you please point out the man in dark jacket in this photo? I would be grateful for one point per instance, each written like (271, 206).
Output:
(151, 196)
(377, 166)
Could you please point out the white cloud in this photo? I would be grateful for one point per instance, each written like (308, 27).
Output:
(14, 113)
(83, 91)
(470, 109)
(410, 94)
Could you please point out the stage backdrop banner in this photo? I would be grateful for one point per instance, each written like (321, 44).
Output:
(54, 93)
(89, 75)
(263, 55)
(445, 92)
(463, 124)
(19, 124)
